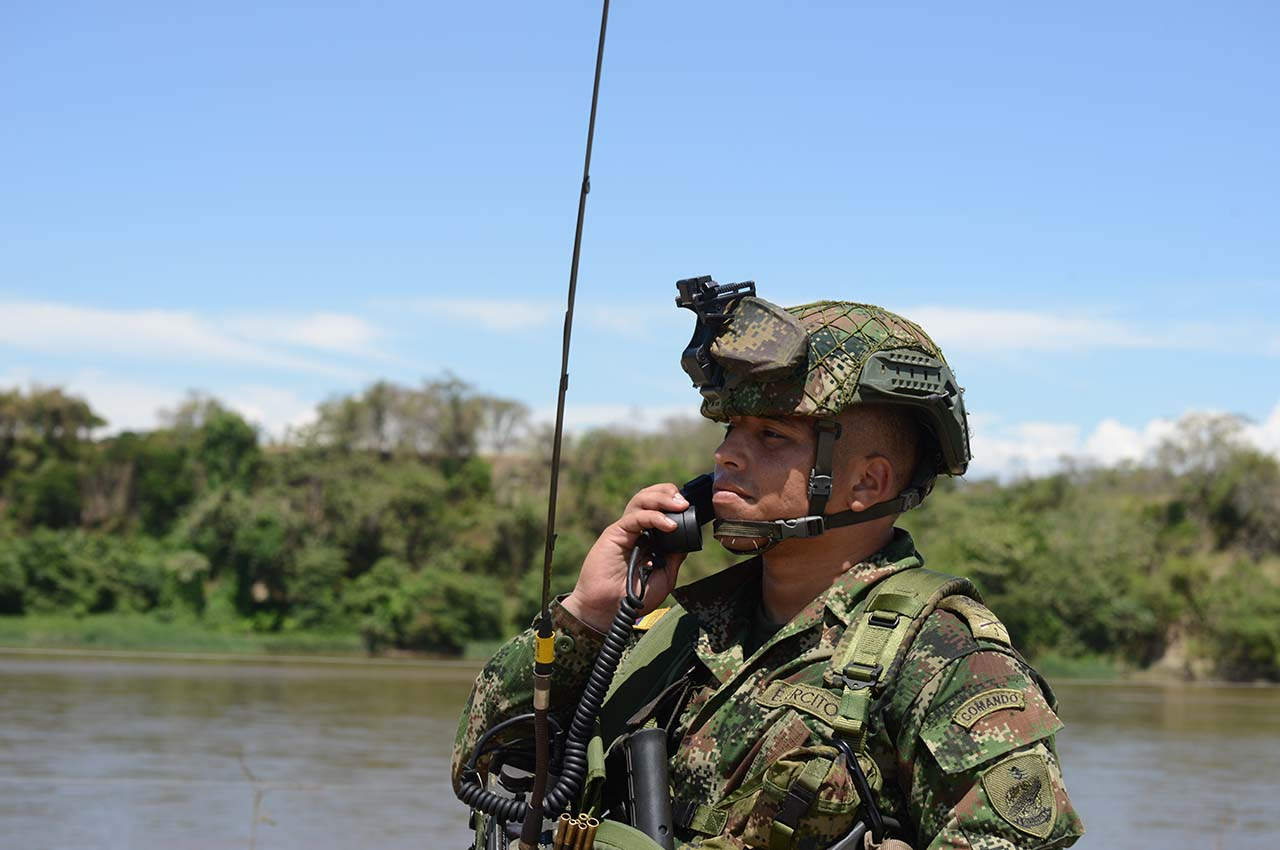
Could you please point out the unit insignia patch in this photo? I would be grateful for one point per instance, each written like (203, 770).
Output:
(816, 701)
(988, 702)
(1020, 791)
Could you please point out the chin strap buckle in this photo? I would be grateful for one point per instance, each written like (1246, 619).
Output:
(805, 526)
(819, 485)
(911, 498)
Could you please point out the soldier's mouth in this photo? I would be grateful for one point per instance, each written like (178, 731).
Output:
(727, 494)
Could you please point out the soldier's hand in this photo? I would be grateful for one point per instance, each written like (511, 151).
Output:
(599, 589)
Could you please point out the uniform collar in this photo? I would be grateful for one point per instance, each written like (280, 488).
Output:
(850, 587)
(725, 602)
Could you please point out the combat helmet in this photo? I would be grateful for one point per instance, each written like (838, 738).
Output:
(750, 357)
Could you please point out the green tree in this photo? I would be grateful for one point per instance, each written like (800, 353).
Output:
(50, 496)
(60, 577)
(1242, 614)
(438, 608)
(13, 580)
(314, 582)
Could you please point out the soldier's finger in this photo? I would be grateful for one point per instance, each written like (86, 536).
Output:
(662, 579)
(635, 522)
(659, 497)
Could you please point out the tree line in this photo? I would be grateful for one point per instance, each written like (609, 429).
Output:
(415, 517)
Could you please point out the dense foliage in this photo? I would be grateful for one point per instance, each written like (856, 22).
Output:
(415, 516)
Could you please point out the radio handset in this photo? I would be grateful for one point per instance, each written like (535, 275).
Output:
(687, 536)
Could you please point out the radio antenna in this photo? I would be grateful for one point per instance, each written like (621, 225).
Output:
(544, 653)
(568, 327)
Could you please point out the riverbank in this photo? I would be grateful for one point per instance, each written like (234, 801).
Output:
(139, 635)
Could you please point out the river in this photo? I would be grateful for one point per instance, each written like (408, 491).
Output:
(185, 754)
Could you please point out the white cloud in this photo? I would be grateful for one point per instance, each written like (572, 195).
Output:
(1026, 330)
(1265, 435)
(632, 321)
(954, 328)
(1112, 443)
(54, 328)
(130, 405)
(637, 321)
(493, 314)
(127, 405)
(276, 411)
(1015, 329)
(326, 331)
(1038, 448)
(582, 417)
(1024, 448)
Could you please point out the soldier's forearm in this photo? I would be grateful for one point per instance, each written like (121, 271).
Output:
(504, 687)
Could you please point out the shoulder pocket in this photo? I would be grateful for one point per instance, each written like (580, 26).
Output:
(980, 724)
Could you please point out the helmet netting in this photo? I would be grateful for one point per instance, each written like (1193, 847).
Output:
(842, 337)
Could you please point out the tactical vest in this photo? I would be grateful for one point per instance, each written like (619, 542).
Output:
(862, 668)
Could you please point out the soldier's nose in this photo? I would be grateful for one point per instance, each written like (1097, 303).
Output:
(728, 453)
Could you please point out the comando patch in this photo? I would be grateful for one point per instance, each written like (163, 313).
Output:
(988, 702)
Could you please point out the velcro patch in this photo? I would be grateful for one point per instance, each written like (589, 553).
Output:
(982, 622)
(1021, 792)
(815, 701)
(648, 621)
(988, 702)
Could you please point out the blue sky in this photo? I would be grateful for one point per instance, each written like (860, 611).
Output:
(279, 202)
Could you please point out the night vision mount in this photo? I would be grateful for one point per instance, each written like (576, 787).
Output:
(711, 302)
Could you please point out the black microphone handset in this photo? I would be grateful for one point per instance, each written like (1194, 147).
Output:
(687, 536)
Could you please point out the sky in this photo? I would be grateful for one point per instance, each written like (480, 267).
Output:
(277, 203)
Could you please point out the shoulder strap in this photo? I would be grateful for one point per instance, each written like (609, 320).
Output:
(660, 657)
(866, 659)
(869, 655)
(983, 623)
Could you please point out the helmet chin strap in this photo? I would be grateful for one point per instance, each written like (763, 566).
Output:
(773, 532)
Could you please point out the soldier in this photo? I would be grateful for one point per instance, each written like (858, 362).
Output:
(831, 641)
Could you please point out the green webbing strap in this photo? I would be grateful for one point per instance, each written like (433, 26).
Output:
(800, 796)
(777, 530)
(868, 656)
(829, 431)
(710, 819)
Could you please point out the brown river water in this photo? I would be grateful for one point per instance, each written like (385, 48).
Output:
(194, 754)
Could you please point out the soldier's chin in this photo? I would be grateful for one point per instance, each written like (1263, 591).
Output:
(742, 545)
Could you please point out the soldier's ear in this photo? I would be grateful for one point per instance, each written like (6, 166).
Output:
(871, 482)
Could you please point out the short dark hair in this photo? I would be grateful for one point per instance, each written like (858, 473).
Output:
(890, 431)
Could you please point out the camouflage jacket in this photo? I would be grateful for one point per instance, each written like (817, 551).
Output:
(964, 746)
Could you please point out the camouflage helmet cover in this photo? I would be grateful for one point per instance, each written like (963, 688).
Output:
(822, 358)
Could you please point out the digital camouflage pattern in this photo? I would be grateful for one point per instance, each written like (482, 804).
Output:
(771, 374)
(757, 726)
(822, 358)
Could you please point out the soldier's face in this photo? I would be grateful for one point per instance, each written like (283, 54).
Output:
(762, 468)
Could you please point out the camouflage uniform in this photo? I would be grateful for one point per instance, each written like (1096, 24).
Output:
(965, 748)
(962, 750)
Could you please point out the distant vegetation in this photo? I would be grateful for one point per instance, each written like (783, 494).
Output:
(413, 517)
